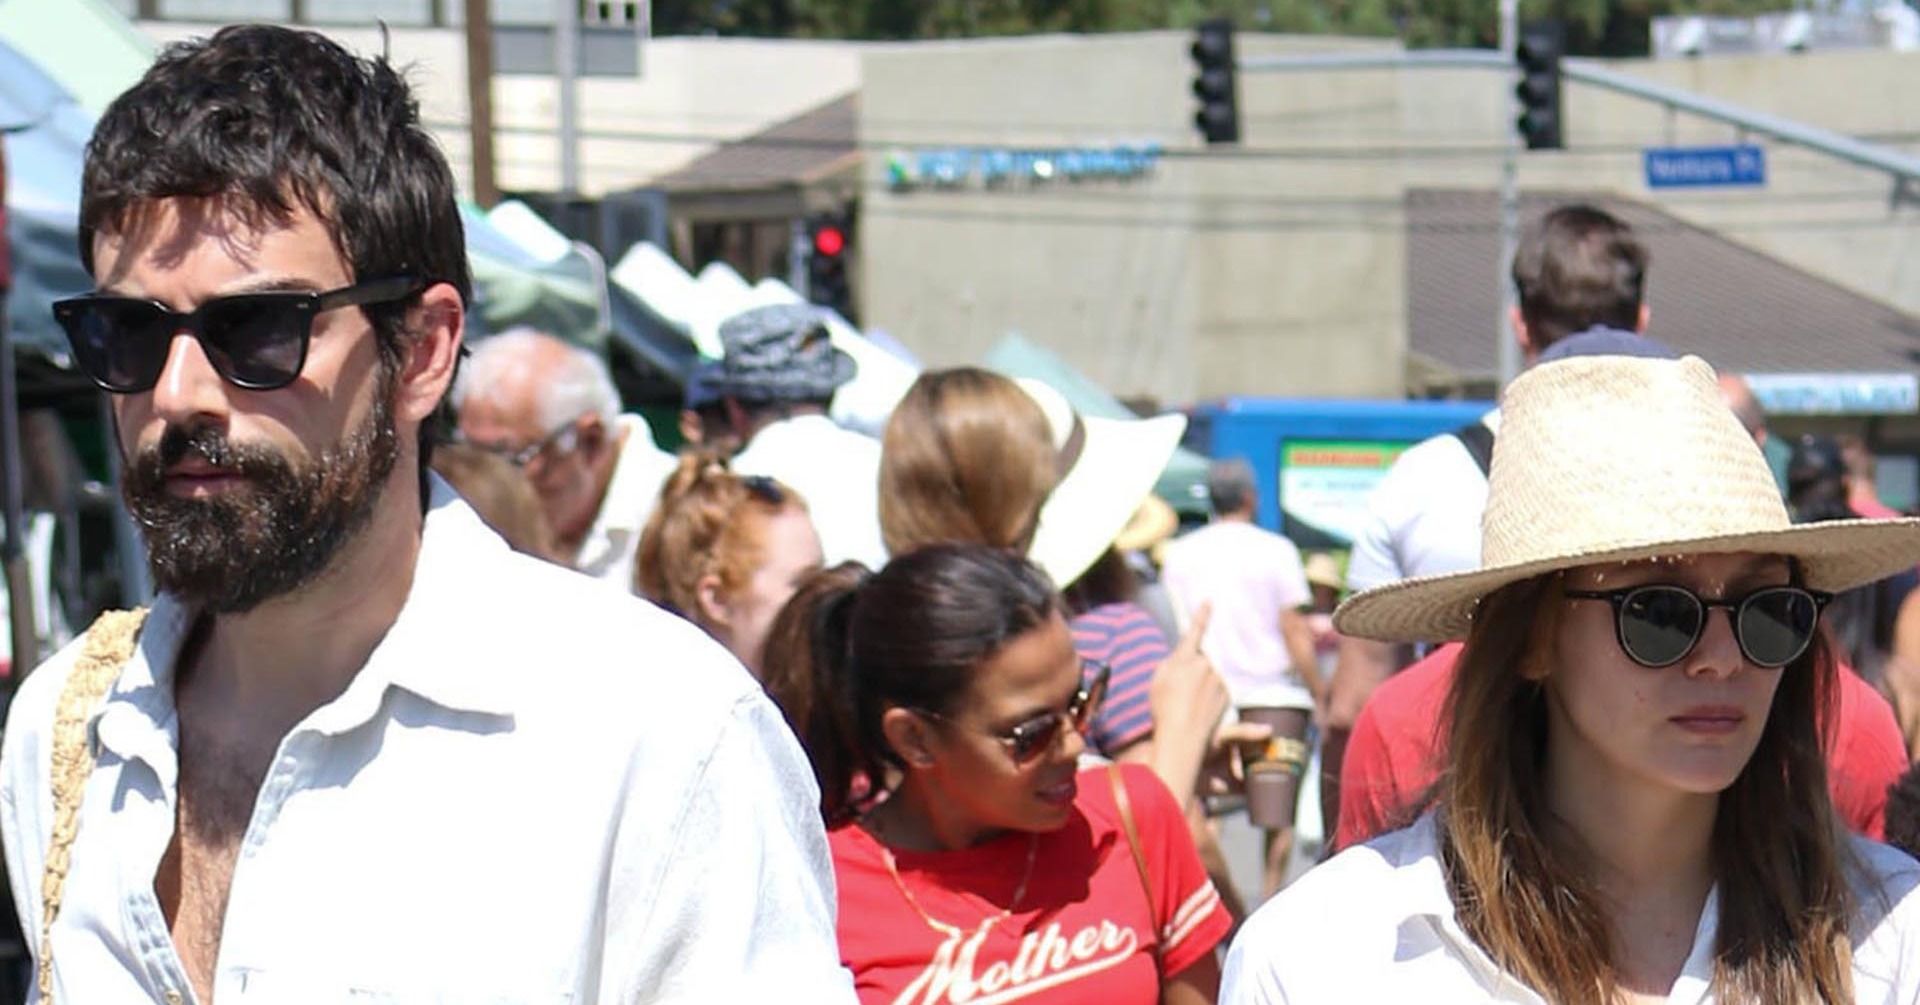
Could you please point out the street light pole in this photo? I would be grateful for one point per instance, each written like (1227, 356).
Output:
(1509, 193)
(479, 35)
(566, 75)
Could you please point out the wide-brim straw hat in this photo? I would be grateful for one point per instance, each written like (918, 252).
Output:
(1111, 466)
(1323, 569)
(1607, 459)
(1152, 523)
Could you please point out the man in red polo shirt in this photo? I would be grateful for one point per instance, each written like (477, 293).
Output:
(1397, 749)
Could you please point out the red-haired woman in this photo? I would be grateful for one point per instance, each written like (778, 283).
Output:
(725, 551)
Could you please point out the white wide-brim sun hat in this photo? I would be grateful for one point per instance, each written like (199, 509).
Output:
(1112, 465)
(1604, 459)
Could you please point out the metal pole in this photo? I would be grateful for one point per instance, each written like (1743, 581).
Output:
(23, 626)
(1418, 59)
(136, 584)
(1509, 193)
(479, 33)
(799, 250)
(1846, 148)
(566, 73)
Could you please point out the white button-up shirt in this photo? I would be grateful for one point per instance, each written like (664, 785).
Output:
(837, 471)
(607, 552)
(535, 790)
(1376, 924)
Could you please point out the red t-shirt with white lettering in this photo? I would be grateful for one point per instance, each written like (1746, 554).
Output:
(1084, 932)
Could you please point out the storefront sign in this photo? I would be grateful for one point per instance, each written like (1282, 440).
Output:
(1705, 167)
(995, 167)
(1836, 393)
(1325, 483)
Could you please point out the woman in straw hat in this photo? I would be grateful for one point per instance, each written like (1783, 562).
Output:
(1634, 807)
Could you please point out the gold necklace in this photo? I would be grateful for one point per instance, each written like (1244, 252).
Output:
(954, 931)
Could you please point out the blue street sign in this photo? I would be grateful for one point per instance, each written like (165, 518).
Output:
(1700, 167)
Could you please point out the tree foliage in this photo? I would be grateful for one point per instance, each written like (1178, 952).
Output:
(1594, 27)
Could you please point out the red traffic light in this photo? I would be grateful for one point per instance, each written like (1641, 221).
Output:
(829, 241)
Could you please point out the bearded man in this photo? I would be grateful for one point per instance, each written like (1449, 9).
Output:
(361, 749)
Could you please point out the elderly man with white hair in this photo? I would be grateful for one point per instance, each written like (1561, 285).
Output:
(550, 408)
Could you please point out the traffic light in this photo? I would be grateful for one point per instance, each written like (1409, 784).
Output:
(1214, 82)
(1542, 43)
(828, 237)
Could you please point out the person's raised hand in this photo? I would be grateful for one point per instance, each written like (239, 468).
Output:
(1187, 697)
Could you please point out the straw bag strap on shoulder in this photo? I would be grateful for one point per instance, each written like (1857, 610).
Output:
(1125, 806)
(108, 647)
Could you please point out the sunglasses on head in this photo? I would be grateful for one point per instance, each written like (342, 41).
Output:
(1658, 624)
(256, 341)
(764, 489)
(1034, 736)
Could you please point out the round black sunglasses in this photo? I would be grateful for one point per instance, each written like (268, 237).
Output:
(256, 341)
(1658, 624)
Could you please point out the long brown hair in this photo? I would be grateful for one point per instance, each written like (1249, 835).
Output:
(967, 457)
(1526, 898)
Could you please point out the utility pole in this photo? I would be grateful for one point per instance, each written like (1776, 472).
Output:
(23, 626)
(486, 190)
(1509, 194)
(566, 74)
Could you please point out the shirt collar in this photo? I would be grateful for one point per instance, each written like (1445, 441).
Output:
(636, 476)
(810, 424)
(1422, 884)
(429, 651)
(137, 718)
(424, 652)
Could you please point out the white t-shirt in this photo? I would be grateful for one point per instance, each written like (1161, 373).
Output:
(1376, 924)
(1250, 575)
(1423, 518)
(837, 471)
(536, 789)
(607, 552)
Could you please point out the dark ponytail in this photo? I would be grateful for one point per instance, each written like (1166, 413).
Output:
(849, 646)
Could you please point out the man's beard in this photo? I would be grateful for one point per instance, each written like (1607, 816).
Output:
(274, 532)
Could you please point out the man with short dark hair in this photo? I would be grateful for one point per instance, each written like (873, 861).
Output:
(358, 748)
(1579, 274)
(1577, 269)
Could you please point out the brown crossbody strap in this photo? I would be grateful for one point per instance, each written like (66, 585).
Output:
(109, 645)
(1125, 805)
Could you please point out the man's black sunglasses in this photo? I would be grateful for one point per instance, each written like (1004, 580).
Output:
(1658, 624)
(1032, 737)
(257, 341)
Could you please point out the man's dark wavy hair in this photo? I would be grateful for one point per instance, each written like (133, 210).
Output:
(274, 120)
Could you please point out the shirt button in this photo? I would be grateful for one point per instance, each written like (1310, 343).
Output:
(173, 998)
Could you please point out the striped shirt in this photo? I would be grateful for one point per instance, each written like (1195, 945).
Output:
(1125, 637)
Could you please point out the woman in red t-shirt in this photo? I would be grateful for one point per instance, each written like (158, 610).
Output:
(994, 870)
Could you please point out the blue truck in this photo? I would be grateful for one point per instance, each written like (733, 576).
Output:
(1315, 460)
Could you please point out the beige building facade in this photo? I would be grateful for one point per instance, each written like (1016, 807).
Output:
(1281, 268)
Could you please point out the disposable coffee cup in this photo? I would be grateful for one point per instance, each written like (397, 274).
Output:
(1273, 778)
(1271, 790)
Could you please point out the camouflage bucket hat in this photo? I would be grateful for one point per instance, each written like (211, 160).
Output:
(779, 353)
